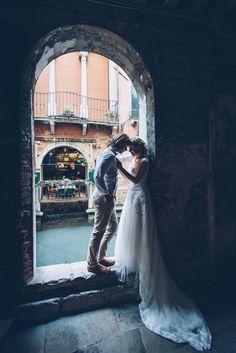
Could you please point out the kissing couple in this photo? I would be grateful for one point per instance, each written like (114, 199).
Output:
(164, 308)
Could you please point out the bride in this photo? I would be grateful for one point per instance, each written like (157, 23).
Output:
(164, 308)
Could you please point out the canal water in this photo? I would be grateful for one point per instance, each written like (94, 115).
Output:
(65, 243)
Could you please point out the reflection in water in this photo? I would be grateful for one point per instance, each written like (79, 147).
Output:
(65, 243)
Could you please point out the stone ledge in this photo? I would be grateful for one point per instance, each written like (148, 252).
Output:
(35, 312)
(64, 279)
(91, 211)
(45, 310)
(98, 298)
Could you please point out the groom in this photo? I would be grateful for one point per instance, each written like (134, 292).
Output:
(105, 221)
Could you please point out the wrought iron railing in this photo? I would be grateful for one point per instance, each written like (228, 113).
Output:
(70, 104)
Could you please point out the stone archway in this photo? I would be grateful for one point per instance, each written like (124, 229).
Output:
(56, 43)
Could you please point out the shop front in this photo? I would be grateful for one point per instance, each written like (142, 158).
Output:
(64, 175)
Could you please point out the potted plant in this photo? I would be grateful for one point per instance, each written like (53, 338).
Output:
(67, 111)
(111, 114)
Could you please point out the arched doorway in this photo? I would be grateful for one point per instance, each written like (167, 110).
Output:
(61, 172)
(64, 162)
(80, 38)
(63, 175)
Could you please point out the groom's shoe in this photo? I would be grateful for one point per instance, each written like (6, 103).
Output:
(107, 262)
(98, 269)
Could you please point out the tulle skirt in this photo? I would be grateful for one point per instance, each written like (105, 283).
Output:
(164, 308)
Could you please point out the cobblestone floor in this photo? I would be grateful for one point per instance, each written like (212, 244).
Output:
(115, 330)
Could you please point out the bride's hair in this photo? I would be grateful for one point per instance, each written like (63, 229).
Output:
(138, 144)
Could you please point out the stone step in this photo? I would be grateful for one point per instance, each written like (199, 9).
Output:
(65, 289)
(64, 279)
(45, 310)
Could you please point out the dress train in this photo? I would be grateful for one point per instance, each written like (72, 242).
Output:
(164, 308)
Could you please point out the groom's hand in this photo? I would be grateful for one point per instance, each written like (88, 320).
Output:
(108, 198)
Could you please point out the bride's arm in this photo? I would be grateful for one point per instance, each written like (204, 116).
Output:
(139, 174)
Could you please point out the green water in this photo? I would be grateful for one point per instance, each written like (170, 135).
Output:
(65, 244)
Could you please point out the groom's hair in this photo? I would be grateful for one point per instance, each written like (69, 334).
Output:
(119, 140)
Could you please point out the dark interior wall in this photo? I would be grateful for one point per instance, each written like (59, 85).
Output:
(182, 152)
(223, 151)
(192, 178)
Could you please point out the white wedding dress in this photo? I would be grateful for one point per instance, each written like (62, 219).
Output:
(164, 308)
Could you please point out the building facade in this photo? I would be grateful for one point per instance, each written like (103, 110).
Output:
(80, 100)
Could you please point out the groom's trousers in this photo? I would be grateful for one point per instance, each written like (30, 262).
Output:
(105, 226)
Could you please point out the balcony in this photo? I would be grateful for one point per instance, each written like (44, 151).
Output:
(75, 108)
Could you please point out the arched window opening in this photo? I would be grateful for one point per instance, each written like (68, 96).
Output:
(79, 118)
(74, 94)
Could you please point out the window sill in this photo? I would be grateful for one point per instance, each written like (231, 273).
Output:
(64, 279)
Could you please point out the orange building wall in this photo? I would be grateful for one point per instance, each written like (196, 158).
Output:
(67, 78)
(67, 70)
(42, 84)
(97, 76)
(73, 131)
(68, 75)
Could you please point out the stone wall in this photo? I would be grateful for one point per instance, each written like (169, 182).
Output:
(223, 156)
(192, 179)
(61, 210)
